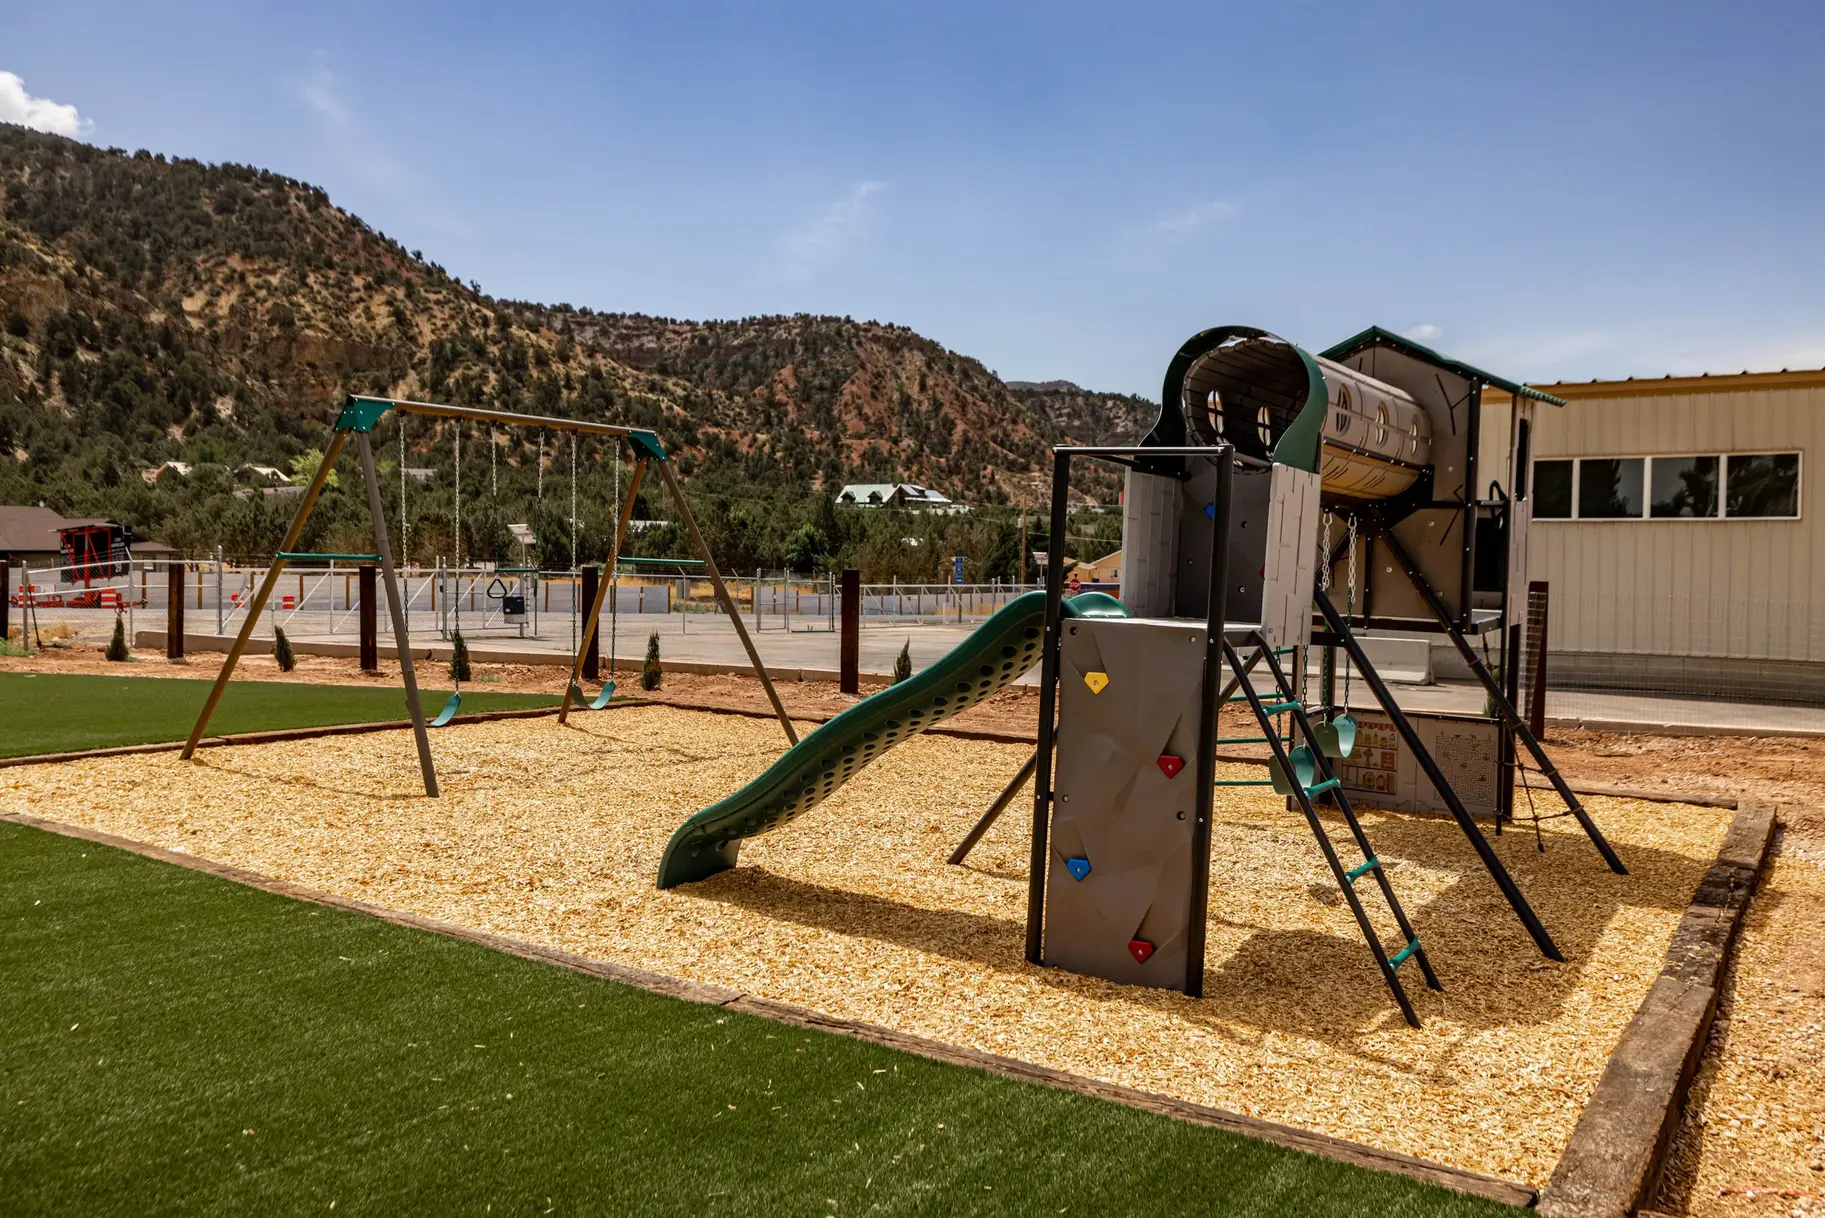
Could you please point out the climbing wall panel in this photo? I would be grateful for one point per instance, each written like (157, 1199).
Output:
(1118, 896)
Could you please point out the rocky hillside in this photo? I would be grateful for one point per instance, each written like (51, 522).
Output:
(1086, 416)
(156, 309)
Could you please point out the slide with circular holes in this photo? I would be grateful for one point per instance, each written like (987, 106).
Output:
(997, 654)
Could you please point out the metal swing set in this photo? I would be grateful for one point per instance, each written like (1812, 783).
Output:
(358, 417)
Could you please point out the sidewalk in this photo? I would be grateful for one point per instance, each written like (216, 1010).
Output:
(705, 643)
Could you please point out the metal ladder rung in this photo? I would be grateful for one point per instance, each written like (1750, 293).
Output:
(1245, 739)
(1356, 873)
(1400, 957)
(1275, 708)
(1329, 784)
(1243, 782)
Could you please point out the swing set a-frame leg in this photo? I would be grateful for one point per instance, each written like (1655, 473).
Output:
(402, 642)
(292, 532)
(722, 595)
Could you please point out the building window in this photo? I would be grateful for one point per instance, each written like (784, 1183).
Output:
(1763, 484)
(1609, 488)
(1728, 486)
(1553, 490)
(1684, 486)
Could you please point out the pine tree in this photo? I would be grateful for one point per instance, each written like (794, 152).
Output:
(651, 674)
(902, 663)
(459, 658)
(281, 650)
(117, 646)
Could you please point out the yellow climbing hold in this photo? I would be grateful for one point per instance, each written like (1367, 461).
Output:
(1097, 681)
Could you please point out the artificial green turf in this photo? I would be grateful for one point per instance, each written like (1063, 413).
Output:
(175, 1042)
(63, 712)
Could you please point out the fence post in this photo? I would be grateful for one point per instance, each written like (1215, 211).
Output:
(6, 599)
(370, 619)
(592, 655)
(220, 576)
(851, 646)
(1539, 600)
(174, 611)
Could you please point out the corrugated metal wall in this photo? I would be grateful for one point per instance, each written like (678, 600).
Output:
(1730, 588)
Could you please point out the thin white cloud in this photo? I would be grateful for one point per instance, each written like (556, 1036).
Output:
(39, 113)
(1425, 332)
(361, 152)
(835, 230)
(1194, 218)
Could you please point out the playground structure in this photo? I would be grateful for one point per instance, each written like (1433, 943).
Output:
(1260, 446)
(358, 418)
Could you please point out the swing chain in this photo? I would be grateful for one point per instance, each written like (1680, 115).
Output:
(1349, 621)
(1324, 561)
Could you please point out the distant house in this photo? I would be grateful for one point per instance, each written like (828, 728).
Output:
(267, 472)
(35, 536)
(180, 468)
(1104, 570)
(895, 495)
(417, 473)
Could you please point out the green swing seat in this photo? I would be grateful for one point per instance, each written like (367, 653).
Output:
(1337, 736)
(584, 702)
(448, 713)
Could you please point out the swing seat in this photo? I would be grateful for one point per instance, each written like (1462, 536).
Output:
(449, 711)
(1338, 737)
(583, 702)
(1304, 768)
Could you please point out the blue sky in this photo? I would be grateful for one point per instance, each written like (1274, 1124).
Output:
(1062, 190)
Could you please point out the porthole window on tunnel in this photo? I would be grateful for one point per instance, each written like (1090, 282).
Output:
(1264, 426)
(1413, 439)
(1213, 409)
(1381, 424)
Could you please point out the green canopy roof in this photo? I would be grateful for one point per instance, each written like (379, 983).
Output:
(1375, 336)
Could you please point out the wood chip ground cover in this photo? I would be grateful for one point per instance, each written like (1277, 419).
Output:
(554, 835)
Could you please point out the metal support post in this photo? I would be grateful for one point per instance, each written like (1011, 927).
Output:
(850, 648)
(1436, 776)
(988, 818)
(1216, 623)
(1503, 705)
(1039, 857)
(174, 610)
(369, 619)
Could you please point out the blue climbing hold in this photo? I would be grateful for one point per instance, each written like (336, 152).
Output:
(1078, 867)
(1210, 511)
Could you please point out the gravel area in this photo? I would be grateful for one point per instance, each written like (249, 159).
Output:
(554, 835)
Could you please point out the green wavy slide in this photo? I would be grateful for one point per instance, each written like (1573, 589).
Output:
(1000, 650)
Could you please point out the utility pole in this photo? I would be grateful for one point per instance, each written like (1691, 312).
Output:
(1023, 549)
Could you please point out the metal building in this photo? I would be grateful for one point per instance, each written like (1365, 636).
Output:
(1672, 522)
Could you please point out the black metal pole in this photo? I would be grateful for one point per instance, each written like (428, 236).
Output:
(174, 611)
(592, 647)
(1373, 680)
(1502, 703)
(994, 813)
(849, 647)
(1038, 859)
(1216, 622)
(369, 618)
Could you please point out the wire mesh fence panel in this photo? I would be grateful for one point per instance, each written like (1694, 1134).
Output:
(1687, 662)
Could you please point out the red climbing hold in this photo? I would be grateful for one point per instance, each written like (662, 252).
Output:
(1140, 949)
(1171, 765)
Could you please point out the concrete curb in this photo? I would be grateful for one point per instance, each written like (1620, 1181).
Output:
(1337, 1149)
(1618, 1149)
